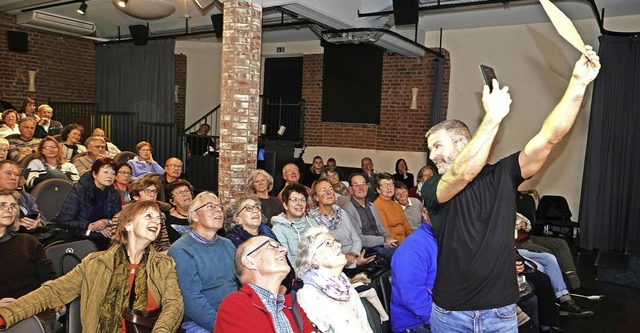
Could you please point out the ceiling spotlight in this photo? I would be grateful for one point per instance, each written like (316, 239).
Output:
(83, 8)
(123, 3)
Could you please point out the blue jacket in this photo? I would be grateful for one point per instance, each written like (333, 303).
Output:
(80, 203)
(237, 235)
(413, 273)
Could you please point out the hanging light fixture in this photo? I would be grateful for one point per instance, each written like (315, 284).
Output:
(123, 3)
(83, 8)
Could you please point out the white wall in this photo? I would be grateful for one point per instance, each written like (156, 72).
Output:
(533, 60)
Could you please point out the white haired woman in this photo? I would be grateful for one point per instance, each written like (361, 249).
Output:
(327, 296)
(261, 183)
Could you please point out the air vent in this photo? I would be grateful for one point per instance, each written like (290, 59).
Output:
(56, 23)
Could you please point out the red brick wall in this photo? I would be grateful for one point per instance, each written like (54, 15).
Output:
(181, 81)
(65, 66)
(400, 128)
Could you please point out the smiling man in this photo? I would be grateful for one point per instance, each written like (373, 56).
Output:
(204, 263)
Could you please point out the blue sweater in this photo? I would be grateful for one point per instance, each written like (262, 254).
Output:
(205, 275)
(413, 272)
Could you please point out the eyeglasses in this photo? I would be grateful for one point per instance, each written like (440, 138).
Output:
(125, 173)
(390, 185)
(9, 206)
(182, 192)
(177, 166)
(297, 200)
(328, 243)
(12, 174)
(272, 242)
(250, 208)
(100, 147)
(210, 206)
(3, 150)
(260, 181)
(50, 147)
(150, 191)
(150, 217)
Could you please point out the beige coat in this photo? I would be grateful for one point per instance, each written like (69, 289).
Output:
(91, 279)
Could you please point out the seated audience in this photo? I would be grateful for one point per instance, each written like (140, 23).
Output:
(28, 108)
(291, 174)
(338, 187)
(46, 126)
(391, 213)
(366, 220)
(71, 136)
(545, 314)
(204, 262)
(10, 126)
(261, 183)
(144, 163)
(327, 296)
(111, 149)
(23, 144)
(4, 149)
(123, 182)
(146, 190)
(49, 163)
(245, 220)
(103, 280)
(172, 172)
(371, 177)
(412, 207)
(556, 246)
(331, 163)
(91, 204)
(314, 171)
(330, 215)
(180, 197)
(261, 265)
(31, 219)
(413, 273)
(424, 174)
(290, 225)
(402, 173)
(29, 267)
(95, 150)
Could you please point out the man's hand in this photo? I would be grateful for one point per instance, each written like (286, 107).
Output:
(587, 68)
(496, 103)
(351, 258)
(390, 242)
(30, 224)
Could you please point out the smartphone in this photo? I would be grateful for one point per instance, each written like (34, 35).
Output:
(32, 216)
(369, 251)
(488, 74)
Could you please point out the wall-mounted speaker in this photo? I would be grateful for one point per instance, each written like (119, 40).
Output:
(216, 19)
(405, 11)
(139, 34)
(18, 41)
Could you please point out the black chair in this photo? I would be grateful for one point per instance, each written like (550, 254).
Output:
(124, 157)
(554, 215)
(77, 156)
(382, 283)
(526, 205)
(372, 315)
(50, 195)
(65, 257)
(25, 161)
(29, 325)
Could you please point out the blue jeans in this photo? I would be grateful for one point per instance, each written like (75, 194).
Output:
(502, 319)
(423, 328)
(192, 327)
(548, 264)
(384, 250)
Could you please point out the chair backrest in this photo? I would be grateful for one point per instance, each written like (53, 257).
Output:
(77, 156)
(372, 315)
(553, 207)
(29, 325)
(526, 205)
(50, 195)
(124, 156)
(25, 161)
(66, 256)
(383, 288)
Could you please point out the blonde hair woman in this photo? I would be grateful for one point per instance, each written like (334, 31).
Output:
(50, 163)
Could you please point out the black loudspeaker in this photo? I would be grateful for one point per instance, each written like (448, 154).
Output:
(139, 34)
(18, 41)
(405, 11)
(216, 19)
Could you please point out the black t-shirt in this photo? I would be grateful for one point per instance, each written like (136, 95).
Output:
(476, 263)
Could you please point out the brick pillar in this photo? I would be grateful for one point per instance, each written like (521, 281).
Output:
(239, 97)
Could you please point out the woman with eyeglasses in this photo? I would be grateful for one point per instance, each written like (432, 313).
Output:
(261, 183)
(48, 162)
(29, 267)
(91, 204)
(107, 281)
(180, 194)
(71, 136)
(146, 189)
(327, 296)
(144, 163)
(123, 182)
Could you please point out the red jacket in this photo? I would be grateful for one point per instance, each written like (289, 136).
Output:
(243, 311)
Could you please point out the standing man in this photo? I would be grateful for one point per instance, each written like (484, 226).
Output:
(46, 125)
(199, 145)
(204, 263)
(371, 177)
(472, 205)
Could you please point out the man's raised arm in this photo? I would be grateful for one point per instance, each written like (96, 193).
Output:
(561, 119)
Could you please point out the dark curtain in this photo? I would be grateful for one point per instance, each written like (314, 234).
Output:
(138, 79)
(610, 199)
